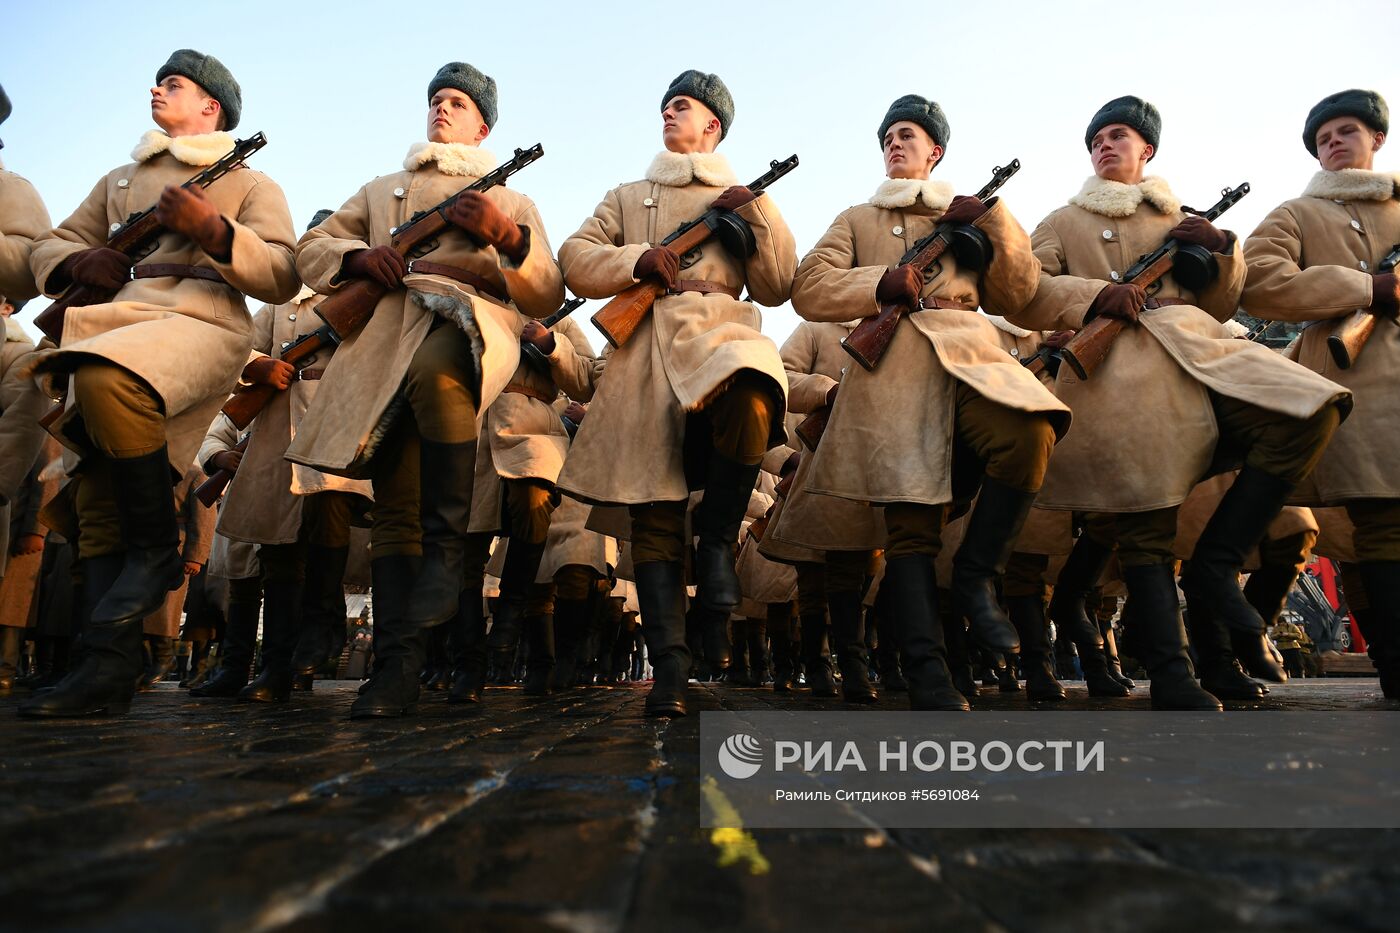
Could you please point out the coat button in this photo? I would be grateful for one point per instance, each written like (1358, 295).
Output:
(115, 227)
(1113, 276)
(649, 202)
(1015, 352)
(1365, 266)
(122, 182)
(898, 231)
(1356, 225)
(1108, 234)
(398, 192)
(292, 316)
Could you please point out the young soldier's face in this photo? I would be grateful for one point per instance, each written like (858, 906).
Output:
(689, 126)
(1346, 142)
(178, 104)
(910, 151)
(1119, 153)
(453, 117)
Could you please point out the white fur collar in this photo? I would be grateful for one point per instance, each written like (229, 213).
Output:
(1115, 199)
(903, 192)
(678, 169)
(451, 158)
(201, 149)
(1353, 184)
(14, 332)
(1001, 323)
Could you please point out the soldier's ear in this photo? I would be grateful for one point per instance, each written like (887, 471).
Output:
(482, 132)
(1148, 152)
(1378, 142)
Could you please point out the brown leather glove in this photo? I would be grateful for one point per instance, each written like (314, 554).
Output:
(899, 286)
(733, 198)
(575, 411)
(658, 264)
(382, 264)
(104, 268)
(964, 210)
(1385, 294)
(189, 211)
(1059, 339)
(536, 333)
(484, 222)
(269, 372)
(227, 460)
(1201, 232)
(27, 544)
(1119, 301)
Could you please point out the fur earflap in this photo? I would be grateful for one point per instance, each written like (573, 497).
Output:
(903, 192)
(201, 149)
(1001, 323)
(678, 169)
(451, 158)
(1115, 199)
(1353, 184)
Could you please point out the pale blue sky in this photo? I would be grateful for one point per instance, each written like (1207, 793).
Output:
(340, 90)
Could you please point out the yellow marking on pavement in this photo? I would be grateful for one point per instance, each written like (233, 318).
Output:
(736, 845)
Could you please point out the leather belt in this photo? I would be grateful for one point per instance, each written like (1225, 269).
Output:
(309, 374)
(178, 270)
(483, 285)
(700, 285)
(1154, 303)
(943, 304)
(520, 388)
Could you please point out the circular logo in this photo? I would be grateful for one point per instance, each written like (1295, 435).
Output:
(740, 756)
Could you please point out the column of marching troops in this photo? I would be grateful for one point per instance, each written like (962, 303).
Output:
(953, 489)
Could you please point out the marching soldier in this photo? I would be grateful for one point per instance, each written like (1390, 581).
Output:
(697, 396)
(944, 385)
(402, 400)
(1159, 408)
(298, 516)
(147, 371)
(1318, 258)
(23, 219)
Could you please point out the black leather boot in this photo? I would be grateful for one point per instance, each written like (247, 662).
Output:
(401, 648)
(957, 649)
(11, 640)
(1028, 615)
(539, 654)
(151, 565)
(1068, 610)
(661, 596)
(887, 650)
(1382, 582)
(1110, 652)
(502, 642)
(322, 608)
(1159, 640)
(160, 661)
(784, 665)
(447, 473)
(980, 562)
(758, 651)
(914, 601)
(816, 659)
(572, 620)
(281, 624)
(716, 521)
(1211, 580)
(235, 654)
(104, 680)
(848, 633)
(1215, 658)
(467, 643)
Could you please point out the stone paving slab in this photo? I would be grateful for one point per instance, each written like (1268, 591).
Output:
(577, 813)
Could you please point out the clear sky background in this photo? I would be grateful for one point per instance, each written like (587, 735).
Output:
(341, 91)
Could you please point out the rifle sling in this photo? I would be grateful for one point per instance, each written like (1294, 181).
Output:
(944, 304)
(700, 285)
(177, 270)
(482, 285)
(1154, 303)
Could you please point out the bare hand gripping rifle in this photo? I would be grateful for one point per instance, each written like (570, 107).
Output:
(346, 311)
(137, 239)
(870, 339)
(209, 491)
(620, 317)
(1349, 337)
(1193, 267)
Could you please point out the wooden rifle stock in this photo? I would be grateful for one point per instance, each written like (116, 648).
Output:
(759, 526)
(619, 318)
(248, 401)
(352, 306)
(1088, 348)
(1347, 340)
(135, 237)
(209, 491)
(810, 430)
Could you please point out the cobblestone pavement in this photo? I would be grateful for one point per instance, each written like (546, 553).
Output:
(575, 812)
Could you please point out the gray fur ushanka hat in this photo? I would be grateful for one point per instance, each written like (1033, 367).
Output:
(1367, 106)
(1130, 111)
(709, 90)
(481, 88)
(920, 110)
(209, 73)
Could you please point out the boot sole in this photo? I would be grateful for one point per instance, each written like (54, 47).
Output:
(109, 709)
(666, 712)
